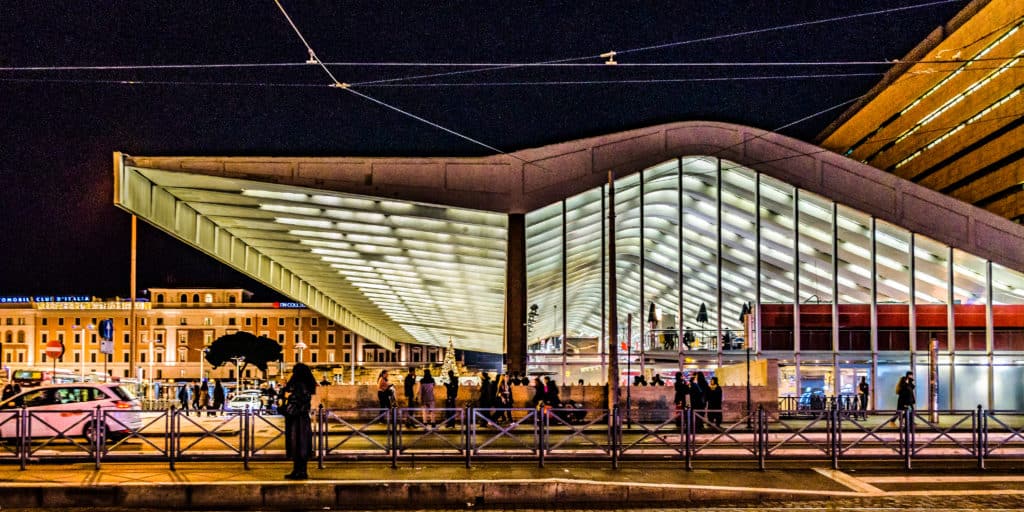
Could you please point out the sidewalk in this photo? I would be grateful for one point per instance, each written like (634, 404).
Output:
(212, 485)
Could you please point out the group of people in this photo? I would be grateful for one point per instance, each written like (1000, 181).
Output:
(201, 400)
(701, 395)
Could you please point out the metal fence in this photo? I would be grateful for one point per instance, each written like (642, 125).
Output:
(833, 434)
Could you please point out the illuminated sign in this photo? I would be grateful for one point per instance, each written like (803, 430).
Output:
(14, 300)
(289, 305)
(61, 298)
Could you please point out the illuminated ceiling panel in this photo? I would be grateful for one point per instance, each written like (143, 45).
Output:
(412, 272)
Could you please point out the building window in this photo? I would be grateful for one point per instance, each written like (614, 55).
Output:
(312, 357)
(248, 321)
(78, 338)
(182, 338)
(330, 323)
(127, 338)
(280, 321)
(78, 321)
(195, 298)
(264, 321)
(183, 321)
(232, 321)
(184, 298)
(160, 298)
(231, 299)
(21, 357)
(159, 338)
(78, 357)
(9, 321)
(347, 357)
(92, 357)
(314, 338)
(160, 321)
(330, 338)
(208, 338)
(142, 357)
(44, 320)
(416, 357)
(159, 357)
(208, 298)
(207, 321)
(92, 339)
(42, 356)
(126, 357)
(44, 337)
(126, 321)
(60, 321)
(21, 321)
(330, 357)
(142, 321)
(312, 321)
(298, 339)
(348, 339)
(298, 321)
(21, 336)
(280, 338)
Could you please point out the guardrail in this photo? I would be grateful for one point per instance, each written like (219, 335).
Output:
(833, 434)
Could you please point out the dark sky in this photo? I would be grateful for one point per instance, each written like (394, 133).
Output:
(62, 235)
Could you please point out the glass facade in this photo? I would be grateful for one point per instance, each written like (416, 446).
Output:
(833, 293)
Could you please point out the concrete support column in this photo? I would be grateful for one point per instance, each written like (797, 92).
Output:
(515, 294)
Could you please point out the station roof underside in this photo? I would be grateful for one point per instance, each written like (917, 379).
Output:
(413, 249)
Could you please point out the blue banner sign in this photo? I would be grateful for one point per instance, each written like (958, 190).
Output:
(62, 298)
(289, 305)
(14, 300)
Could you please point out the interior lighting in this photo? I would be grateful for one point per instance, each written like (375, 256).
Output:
(270, 194)
(296, 210)
(310, 223)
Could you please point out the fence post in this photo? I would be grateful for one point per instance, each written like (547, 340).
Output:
(613, 433)
(245, 423)
(467, 415)
(762, 437)
(906, 424)
(23, 443)
(539, 425)
(392, 426)
(982, 434)
(100, 436)
(688, 434)
(833, 436)
(321, 415)
(172, 414)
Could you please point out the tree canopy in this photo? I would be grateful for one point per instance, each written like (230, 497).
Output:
(257, 351)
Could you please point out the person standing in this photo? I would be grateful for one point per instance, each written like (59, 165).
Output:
(486, 399)
(714, 401)
(451, 389)
(298, 429)
(682, 390)
(551, 390)
(863, 390)
(409, 386)
(426, 397)
(698, 386)
(204, 398)
(504, 399)
(539, 392)
(905, 396)
(383, 391)
(218, 399)
(184, 398)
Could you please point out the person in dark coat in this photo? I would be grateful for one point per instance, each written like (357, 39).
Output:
(714, 401)
(218, 399)
(905, 396)
(451, 389)
(539, 392)
(486, 399)
(698, 386)
(298, 429)
(183, 398)
(409, 386)
(551, 393)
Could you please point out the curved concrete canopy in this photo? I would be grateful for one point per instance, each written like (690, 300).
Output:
(528, 179)
(413, 249)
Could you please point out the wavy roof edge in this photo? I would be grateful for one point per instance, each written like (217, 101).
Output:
(528, 179)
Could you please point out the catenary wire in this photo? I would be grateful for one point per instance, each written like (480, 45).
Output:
(676, 43)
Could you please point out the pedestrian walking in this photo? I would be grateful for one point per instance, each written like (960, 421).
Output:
(863, 391)
(698, 386)
(451, 389)
(504, 397)
(204, 398)
(218, 399)
(298, 430)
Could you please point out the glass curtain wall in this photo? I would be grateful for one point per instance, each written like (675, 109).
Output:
(698, 238)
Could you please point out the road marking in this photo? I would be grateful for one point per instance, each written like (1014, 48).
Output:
(849, 481)
(937, 478)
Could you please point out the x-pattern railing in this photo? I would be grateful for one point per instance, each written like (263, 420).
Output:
(717, 432)
(869, 432)
(795, 432)
(530, 418)
(113, 420)
(11, 420)
(941, 432)
(354, 431)
(1012, 432)
(407, 422)
(215, 432)
(657, 432)
(36, 420)
(276, 432)
(577, 431)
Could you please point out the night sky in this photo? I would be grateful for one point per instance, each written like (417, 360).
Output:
(61, 233)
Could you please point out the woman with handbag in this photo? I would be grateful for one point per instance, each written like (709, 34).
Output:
(298, 429)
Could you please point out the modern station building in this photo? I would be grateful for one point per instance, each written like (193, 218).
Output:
(839, 261)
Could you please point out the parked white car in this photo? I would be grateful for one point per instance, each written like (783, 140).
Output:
(69, 409)
(244, 401)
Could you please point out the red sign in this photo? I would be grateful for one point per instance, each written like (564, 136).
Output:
(54, 348)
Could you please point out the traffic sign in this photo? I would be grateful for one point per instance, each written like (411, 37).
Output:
(54, 348)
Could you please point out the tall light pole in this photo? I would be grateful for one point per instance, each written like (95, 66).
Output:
(81, 330)
(300, 346)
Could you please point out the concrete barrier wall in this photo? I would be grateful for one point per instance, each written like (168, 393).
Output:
(653, 401)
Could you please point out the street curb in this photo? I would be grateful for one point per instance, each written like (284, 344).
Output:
(388, 494)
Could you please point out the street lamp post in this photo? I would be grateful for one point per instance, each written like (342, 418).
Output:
(300, 346)
(238, 371)
(81, 330)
